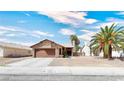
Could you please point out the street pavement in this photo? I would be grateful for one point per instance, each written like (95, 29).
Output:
(113, 71)
(61, 73)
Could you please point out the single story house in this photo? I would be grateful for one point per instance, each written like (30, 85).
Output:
(14, 50)
(48, 48)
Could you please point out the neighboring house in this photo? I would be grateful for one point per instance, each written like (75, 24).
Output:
(86, 49)
(14, 50)
(48, 48)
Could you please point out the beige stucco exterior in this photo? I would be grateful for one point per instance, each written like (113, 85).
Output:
(1, 52)
(14, 52)
(48, 48)
(47, 44)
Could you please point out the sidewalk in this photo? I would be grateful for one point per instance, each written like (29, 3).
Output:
(106, 71)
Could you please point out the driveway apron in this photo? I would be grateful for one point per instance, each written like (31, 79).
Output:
(32, 62)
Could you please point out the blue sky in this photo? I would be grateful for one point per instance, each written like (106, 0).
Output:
(30, 27)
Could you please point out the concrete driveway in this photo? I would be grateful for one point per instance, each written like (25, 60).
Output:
(32, 62)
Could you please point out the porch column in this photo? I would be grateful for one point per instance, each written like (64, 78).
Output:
(34, 53)
(56, 52)
(72, 52)
(61, 51)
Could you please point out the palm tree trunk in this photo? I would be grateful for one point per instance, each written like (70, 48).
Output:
(104, 54)
(110, 52)
(109, 55)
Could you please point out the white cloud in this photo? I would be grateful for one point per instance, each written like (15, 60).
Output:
(11, 35)
(15, 31)
(40, 33)
(27, 14)
(115, 20)
(67, 17)
(111, 19)
(3, 39)
(22, 21)
(16, 42)
(23, 34)
(35, 35)
(120, 13)
(23, 43)
(109, 22)
(9, 31)
(87, 35)
(2, 32)
(91, 21)
(86, 31)
(103, 25)
(66, 32)
(12, 29)
(7, 28)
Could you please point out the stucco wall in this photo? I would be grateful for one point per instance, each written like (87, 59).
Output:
(1, 52)
(12, 52)
(86, 50)
(46, 44)
(114, 53)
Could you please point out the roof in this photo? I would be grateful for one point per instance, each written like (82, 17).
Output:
(63, 45)
(68, 45)
(46, 40)
(13, 45)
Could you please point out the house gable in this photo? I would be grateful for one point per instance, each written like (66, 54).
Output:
(46, 44)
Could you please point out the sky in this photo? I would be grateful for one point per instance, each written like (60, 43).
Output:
(30, 27)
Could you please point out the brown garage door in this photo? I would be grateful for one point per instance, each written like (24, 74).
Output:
(45, 53)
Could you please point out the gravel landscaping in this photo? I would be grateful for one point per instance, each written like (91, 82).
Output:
(4, 61)
(73, 61)
(87, 61)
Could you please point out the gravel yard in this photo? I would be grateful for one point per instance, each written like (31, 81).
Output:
(87, 61)
(4, 61)
(74, 61)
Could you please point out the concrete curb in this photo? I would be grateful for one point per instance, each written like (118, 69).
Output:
(107, 71)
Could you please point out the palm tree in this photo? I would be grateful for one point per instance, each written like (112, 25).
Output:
(75, 42)
(107, 39)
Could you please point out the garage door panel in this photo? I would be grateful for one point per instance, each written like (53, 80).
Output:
(45, 53)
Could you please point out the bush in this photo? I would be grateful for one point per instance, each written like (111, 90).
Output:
(65, 54)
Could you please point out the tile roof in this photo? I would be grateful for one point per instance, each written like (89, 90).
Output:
(64, 45)
(13, 45)
(68, 45)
